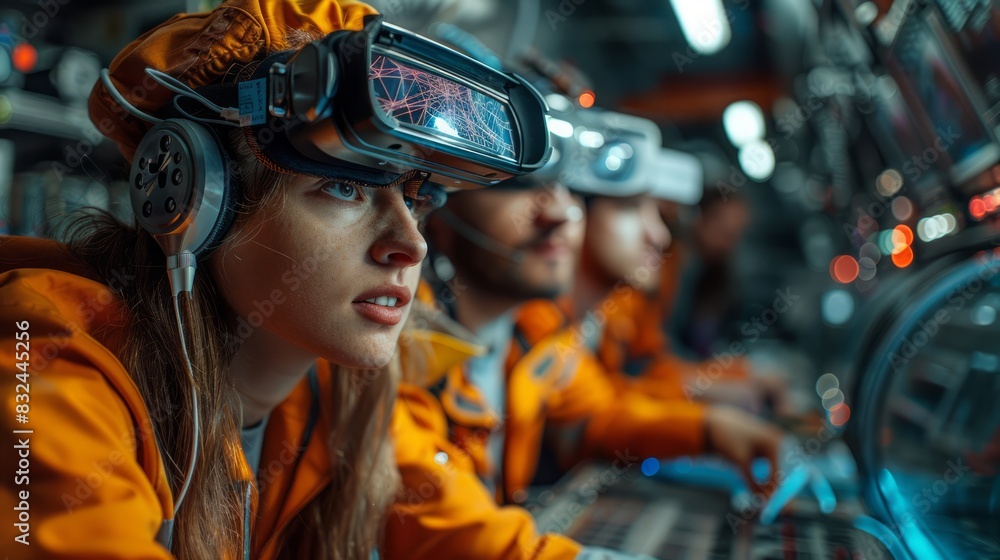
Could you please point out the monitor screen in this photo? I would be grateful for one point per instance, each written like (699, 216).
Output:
(974, 29)
(958, 130)
(899, 139)
(443, 107)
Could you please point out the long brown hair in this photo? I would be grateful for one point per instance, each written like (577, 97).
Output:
(344, 520)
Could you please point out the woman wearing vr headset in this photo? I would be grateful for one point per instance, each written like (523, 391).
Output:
(240, 407)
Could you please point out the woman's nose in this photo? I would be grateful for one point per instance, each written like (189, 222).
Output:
(400, 243)
(657, 233)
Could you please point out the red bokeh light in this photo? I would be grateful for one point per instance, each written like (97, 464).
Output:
(24, 57)
(905, 232)
(903, 258)
(844, 269)
(977, 208)
(840, 414)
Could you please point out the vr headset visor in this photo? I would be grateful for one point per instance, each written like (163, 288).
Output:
(597, 152)
(382, 101)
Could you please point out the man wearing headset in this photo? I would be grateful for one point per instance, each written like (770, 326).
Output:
(623, 268)
(497, 250)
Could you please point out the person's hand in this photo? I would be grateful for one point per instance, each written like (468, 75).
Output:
(773, 388)
(741, 438)
(751, 394)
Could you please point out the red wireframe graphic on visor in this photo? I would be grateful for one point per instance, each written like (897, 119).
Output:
(442, 107)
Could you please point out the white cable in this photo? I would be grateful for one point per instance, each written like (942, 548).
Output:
(184, 91)
(177, 86)
(194, 403)
(106, 80)
(188, 115)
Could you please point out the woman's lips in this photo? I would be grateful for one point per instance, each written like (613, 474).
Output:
(383, 305)
(379, 313)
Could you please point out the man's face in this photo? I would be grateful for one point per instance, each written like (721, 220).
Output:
(536, 238)
(624, 241)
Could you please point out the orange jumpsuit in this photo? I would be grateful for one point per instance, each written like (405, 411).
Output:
(552, 380)
(96, 486)
(95, 481)
(636, 352)
(445, 511)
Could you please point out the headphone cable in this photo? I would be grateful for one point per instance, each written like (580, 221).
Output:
(189, 474)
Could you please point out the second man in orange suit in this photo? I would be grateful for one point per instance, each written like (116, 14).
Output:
(499, 249)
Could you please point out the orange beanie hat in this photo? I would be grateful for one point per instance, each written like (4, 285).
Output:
(199, 49)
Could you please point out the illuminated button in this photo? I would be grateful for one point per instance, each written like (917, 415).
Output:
(440, 457)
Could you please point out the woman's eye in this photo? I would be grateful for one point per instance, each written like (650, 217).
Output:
(417, 208)
(343, 191)
(429, 199)
(421, 208)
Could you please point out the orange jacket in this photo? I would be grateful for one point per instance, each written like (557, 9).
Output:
(553, 380)
(637, 352)
(94, 478)
(445, 511)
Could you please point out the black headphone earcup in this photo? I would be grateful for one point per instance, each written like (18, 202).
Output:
(182, 187)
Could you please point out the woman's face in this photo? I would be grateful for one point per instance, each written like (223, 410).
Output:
(624, 240)
(331, 268)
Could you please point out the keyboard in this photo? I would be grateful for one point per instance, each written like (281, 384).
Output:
(598, 505)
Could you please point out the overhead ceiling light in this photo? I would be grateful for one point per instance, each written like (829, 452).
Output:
(704, 24)
(757, 160)
(744, 122)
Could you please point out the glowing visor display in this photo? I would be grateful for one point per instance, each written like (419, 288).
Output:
(404, 104)
(442, 107)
